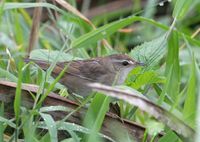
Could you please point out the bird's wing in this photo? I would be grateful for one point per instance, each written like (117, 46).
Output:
(88, 69)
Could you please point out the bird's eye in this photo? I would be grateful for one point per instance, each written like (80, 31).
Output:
(125, 63)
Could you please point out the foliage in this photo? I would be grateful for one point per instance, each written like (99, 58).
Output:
(170, 77)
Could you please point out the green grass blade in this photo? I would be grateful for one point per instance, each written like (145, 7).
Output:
(15, 5)
(51, 87)
(189, 110)
(109, 29)
(18, 29)
(172, 62)
(197, 70)
(17, 101)
(1, 9)
(190, 105)
(29, 127)
(95, 115)
(78, 128)
(50, 123)
(181, 7)
(9, 122)
(55, 108)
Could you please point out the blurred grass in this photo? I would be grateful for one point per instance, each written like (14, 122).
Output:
(170, 80)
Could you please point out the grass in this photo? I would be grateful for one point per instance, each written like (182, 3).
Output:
(168, 44)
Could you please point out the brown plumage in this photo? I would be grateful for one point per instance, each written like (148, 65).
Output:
(108, 70)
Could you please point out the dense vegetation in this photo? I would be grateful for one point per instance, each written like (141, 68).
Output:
(163, 35)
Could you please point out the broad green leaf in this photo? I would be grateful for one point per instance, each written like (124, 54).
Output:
(150, 52)
(148, 77)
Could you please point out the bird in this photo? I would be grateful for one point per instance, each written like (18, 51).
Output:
(108, 70)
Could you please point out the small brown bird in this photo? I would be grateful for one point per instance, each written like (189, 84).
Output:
(107, 70)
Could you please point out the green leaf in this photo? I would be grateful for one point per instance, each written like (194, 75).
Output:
(8, 41)
(17, 101)
(50, 123)
(109, 29)
(150, 52)
(72, 127)
(181, 8)
(45, 138)
(15, 5)
(7, 75)
(18, 29)
(55, 108)
(172, 62)
(170, 136)
(197, 138)
(27, 77)
(9, 122)
(148, 77)
(95, 115)
(51, 87)
(164, 94)
(49, 55)
(189, 110)
(29, 127)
